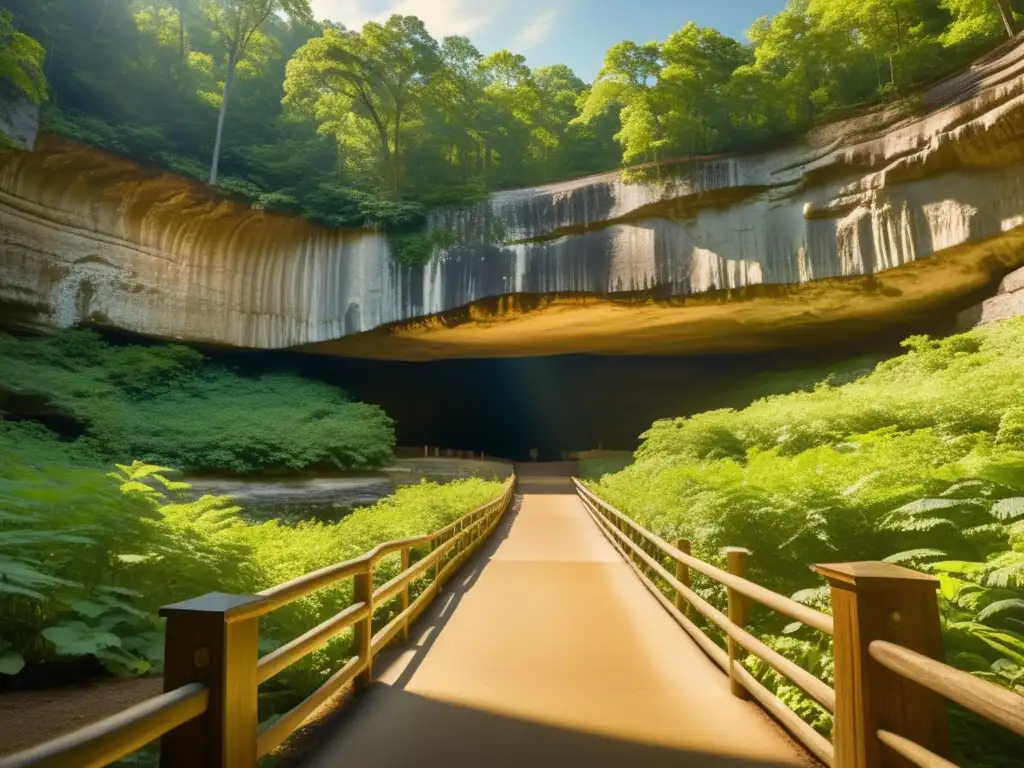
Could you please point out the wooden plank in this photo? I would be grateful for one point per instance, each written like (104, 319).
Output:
(784, 605)
(282, 594)
(808, 682)
(714, 652)
(683, 575)
(879, 601)
(739, 612)
(275, 735)
(815, 743)
(107, 741)
(202, 646)
(980, 696)
(912, 752)
(277, 661)
(406, 566)
(362, 633)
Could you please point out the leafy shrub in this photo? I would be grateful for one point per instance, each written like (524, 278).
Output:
(86, 559)
(920, 462)
(413, 249)
(169, 405)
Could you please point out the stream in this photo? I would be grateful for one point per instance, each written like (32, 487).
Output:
(331, 499)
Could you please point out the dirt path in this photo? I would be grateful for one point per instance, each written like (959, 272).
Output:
(28, 718)
(547, 651)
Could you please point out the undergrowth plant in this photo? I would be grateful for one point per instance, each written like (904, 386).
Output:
(919, 462)
(87, 558)
(172, 406)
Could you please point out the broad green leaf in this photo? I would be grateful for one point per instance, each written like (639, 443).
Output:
(11, 663)
(1001, 607)
(88, 608)
(915, 556)
(77, 639)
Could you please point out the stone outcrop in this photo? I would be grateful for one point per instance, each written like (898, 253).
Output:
(863, 224)
(19, 117)
(1008, 302)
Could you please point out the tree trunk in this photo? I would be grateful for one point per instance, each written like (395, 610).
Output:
(228, 81)
(181, 38)
(99, 22)
(1007, 14)
(398, 147)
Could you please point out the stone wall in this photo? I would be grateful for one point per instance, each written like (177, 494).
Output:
(860, 225)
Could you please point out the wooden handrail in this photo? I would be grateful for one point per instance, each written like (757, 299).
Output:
(869, 599)
(808, 682)
(784, 605)
(203, 624)
(111, 739)
(278, 661)
(290, 591)
(275, 735)
(980, 696)
(915, 753)
(283, 657)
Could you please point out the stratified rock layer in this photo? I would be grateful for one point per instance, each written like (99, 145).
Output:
(863, 224)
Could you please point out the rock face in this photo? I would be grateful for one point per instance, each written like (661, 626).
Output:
(862, 224)
(19, 117)
(1008, 302)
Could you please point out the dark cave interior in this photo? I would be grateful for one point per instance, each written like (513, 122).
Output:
(505, 407)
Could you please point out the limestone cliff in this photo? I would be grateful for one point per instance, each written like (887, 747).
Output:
(861, 224)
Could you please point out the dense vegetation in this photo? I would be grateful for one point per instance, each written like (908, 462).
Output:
(167, 403)
(350, 127)
(919, 462)
(87, 558)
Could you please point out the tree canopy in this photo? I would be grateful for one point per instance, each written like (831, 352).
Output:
(351, 127)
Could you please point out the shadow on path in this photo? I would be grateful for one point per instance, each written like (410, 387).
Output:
(394, 724)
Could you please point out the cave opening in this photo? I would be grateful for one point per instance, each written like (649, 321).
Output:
(505, 408)
(508, 407)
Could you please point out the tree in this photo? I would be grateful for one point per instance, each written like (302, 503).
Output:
(234, 24)
(624, 84)
(1006, 14)
(182, 6)
(21, 60)
(370, 80)
(978, 20)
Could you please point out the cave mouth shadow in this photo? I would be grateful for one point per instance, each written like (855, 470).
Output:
(396, 728)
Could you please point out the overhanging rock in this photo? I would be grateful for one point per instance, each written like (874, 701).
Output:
(861, 225)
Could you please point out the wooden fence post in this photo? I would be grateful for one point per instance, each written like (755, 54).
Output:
(879, 601)
(362, 631)
(683, 575)
(406, 565)
(739, 613)
(209, 640)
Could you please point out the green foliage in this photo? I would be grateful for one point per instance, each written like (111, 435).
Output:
(916, 462)
(168, 404)
(73, 540)
(376, 120)
(21, 60)
(418, 248)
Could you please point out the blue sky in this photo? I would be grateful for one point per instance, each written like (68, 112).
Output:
(573, 32)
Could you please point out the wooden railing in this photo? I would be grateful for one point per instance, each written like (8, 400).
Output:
(889, 702)
(208, 716)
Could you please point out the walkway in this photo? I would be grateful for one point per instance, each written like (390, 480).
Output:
(556, 656)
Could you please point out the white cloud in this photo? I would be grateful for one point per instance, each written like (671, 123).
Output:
(536, 32)
(442, 17)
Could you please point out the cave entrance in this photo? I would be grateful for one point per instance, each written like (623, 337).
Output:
(565, 404)
(561, 405)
